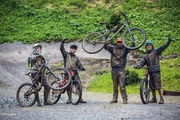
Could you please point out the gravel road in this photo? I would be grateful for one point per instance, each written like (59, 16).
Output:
(96, 108)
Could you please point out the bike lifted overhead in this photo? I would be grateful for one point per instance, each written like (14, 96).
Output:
(132, 39)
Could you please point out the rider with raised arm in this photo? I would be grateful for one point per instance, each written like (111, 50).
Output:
(34, 64)
(151, 59)
(72, 62)
(118, 63)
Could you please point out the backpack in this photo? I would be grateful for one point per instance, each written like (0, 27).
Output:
(31, 62)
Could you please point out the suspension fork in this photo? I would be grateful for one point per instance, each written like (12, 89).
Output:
(50, 71)
(30, 91)
(132, 37)
(148, 80)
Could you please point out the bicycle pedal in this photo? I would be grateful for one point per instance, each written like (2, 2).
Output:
(63, 91)
(75, 92)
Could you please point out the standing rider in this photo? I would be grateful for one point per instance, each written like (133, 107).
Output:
(34, 64)
(118, 63)
(151, 59)
(72, 62)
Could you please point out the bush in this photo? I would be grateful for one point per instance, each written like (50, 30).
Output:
(114, 20)
(131, 77)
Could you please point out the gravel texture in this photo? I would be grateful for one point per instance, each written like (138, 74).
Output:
(96, 108)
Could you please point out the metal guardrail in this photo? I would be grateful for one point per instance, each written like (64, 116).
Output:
(172, 93)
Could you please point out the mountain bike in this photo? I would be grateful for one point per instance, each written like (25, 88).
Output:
(74, 87)
(27, 92)
(144, 88)
(132, 39)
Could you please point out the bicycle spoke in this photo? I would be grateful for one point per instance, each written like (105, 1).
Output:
(59, 79)
(144, 91)
(25, 95)
(54, 96)
(93, 43)
(134, 38)
(76, 92)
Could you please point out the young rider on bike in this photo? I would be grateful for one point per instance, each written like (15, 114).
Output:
(35, 62)
(72, 62)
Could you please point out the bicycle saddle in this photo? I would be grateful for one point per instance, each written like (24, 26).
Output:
(104, 23)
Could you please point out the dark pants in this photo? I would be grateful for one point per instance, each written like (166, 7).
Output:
(46, 88)
(118, 77)
(76, 77)
(155, 81)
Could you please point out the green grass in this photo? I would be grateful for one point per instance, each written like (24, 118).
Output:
(53, 20)
(169, 75)
(102, 83)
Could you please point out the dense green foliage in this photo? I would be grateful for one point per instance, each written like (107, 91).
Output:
(169, 75)
(52, 20)
(131, 77)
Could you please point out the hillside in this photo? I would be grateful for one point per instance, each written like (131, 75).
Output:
(53, 20)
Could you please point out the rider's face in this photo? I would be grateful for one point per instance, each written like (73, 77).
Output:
(73, 50)
(38, 49)
(119, 44)
(149, 47)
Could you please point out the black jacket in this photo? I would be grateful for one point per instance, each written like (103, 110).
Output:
(151, 59)
(71, 61)
(118, 56)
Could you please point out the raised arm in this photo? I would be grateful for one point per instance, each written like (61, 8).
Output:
(109, 47)
(62, 49)
(163, 47)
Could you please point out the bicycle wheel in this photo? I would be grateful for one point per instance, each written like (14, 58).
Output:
(75, 92)
(54, 95)
(134, 39)
(144, 91)
(60, 76)
(93, 42)
(25, 95)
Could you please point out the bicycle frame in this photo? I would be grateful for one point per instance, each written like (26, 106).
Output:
(72, 78)
(40, 73)
(113, 29)
(124, 24)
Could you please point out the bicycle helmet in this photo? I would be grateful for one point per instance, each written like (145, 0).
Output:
(74, 46)
(119, 40)
(149, 42)
(35, 51)
(37, 45)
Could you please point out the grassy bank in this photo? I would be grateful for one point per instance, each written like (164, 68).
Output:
(52, 20)
(169, 75)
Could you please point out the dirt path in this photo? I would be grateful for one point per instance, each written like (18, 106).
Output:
(96, 108)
